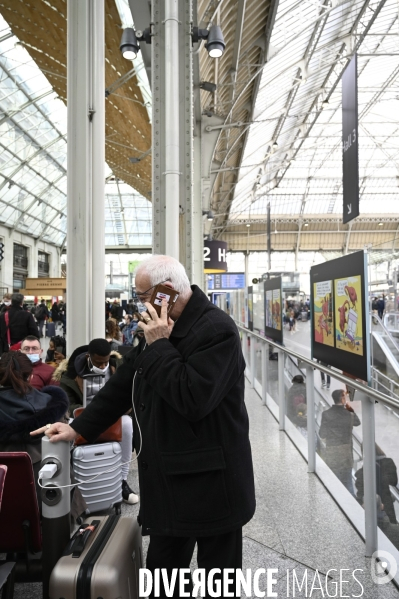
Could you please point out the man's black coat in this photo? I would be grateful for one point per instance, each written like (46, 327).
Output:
(195, 463)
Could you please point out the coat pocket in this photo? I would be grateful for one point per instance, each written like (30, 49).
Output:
(196, 480)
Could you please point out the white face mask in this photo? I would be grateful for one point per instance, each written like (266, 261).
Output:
(33, 357)
(7, 303)
(97, 370)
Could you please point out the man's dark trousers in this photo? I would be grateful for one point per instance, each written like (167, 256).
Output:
(218, 551)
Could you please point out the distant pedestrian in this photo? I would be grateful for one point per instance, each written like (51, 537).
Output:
(41, 315)
(16, 324)
(6, 302)
(336, 428)
(381, 307)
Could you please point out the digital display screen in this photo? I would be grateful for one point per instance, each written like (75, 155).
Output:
(231, 280)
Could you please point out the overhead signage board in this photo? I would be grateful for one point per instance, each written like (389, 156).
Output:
(340, 314)
(274, 309)
(45, 284)
(215, 256)
(350, 142)
(230, 280)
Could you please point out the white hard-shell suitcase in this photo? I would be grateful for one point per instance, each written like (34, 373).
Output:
(88, 461)
(105, 491)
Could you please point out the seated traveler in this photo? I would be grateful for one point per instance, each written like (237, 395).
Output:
(22, 406)
(56, 351)
(42, 373)
(296, 396)
(96, 358)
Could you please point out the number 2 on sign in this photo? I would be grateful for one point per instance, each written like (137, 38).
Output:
(207, 251)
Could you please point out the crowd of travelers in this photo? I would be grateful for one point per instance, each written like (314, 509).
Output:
(36, 389)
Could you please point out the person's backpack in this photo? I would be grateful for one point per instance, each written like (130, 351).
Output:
(40, 313)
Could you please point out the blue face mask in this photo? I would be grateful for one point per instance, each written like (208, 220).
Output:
(33, 357)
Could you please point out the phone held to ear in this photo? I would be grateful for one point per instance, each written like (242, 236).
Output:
(160, 292)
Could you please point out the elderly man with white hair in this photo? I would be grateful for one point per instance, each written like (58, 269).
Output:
(190, 428)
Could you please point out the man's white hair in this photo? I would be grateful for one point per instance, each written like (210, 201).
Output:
(160, 268)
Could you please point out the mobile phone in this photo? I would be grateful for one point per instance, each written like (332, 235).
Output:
(160, 292)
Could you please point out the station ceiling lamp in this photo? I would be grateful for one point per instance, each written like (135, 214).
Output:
(209, 214)
(215, 43)
(129, 45)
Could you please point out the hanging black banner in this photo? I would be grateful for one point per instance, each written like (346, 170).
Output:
(350, 142)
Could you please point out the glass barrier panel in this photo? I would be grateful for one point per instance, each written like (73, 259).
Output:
(272, 373)
(295, 396)
(339, 433)
(248, 352)
(258, 361)
(387, 462)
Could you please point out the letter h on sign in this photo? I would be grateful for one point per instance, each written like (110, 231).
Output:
(222, 255)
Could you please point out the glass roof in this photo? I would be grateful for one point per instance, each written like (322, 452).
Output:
(293, 155)
(33, 154)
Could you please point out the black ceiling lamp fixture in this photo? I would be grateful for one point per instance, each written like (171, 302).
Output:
(129, 45)
(215, 43)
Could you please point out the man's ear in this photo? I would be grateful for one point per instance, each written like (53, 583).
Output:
(168, 284)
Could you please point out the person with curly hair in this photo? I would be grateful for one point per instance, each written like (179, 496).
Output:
(112, 334)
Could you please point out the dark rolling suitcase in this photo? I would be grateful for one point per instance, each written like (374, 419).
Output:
(103, 559)
(50, 329)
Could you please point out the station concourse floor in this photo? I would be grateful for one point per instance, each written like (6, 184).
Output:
(297, 524)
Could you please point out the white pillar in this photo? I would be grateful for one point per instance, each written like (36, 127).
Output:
(33, 257)
(97, 305)
(85, 175)
(171, 115)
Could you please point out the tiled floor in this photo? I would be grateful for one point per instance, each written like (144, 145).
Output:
(297, 528)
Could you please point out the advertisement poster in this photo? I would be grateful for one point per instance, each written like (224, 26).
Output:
(268, 308)
(273, 309)
(340, 314)
(348, 314)
(276, 309)
(323, 313)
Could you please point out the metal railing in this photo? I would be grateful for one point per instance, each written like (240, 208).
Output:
(391, 321)
(365, 522)
(386, 331)
(389, 386)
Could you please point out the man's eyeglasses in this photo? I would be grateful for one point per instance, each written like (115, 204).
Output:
(29, 350)
(141, 296)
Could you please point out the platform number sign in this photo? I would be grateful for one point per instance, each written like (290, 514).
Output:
(215, 256)
(1, 251)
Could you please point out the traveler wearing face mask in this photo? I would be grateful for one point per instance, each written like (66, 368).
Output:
(96, 358)
(42, 373)
(6, 303)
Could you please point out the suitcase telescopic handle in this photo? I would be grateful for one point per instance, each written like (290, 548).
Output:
(81, 537)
